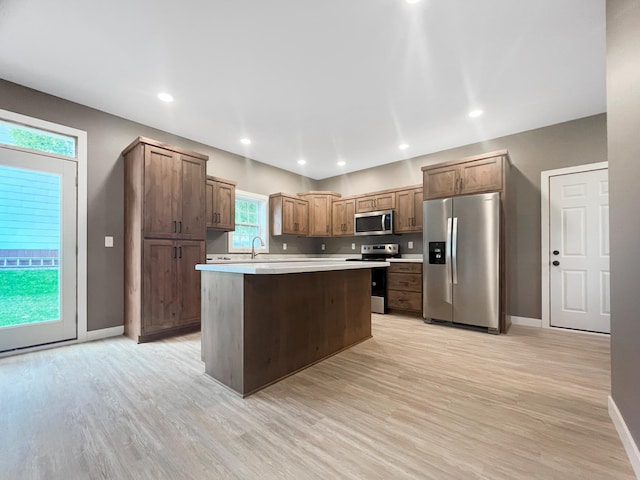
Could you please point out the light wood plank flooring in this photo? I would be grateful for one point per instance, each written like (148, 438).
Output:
(417, 402)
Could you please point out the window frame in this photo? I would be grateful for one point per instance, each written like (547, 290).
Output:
(263, 199)
(40, 128)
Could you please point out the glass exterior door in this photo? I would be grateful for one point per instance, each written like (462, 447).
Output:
(38, 260)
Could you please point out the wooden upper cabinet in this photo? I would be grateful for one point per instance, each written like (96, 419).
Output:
(320, 212)
(440, 182)
(289, 215)
(221, 204)
(376, 201)
(161, 192)
(342, 216)
(408, 214)
(174, 194)
(478, 174)
(191, 204)
(481, 176)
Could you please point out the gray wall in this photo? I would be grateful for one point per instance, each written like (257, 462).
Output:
(623, 107)
(563, 145)
(107, 136)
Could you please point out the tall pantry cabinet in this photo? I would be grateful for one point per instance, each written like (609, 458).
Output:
(165, 232)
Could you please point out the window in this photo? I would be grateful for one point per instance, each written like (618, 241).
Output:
(251, 222)
(29, 138)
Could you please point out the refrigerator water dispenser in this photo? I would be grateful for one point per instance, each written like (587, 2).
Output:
(437, 253)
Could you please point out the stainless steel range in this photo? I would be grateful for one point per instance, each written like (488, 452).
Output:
(379, 252)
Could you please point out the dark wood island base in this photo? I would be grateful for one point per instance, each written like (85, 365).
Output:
(259, 329)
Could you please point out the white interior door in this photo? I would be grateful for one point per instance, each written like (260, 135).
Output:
(579, 251)
(38, 242)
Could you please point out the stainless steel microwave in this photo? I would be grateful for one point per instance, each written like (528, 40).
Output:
(374, 223)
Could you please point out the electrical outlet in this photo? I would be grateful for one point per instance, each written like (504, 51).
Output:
(322, 247)
(353, 246)
(284, 246)
(108, 242)
(410, 245)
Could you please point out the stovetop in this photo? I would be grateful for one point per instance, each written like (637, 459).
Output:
(379, 252)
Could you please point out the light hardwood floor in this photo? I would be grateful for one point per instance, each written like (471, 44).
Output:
(416, 401)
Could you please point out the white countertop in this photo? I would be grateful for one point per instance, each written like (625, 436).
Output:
(277, 268)
(228, 260)
(405, 260)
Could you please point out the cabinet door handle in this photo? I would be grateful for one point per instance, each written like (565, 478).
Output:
(175, 226)
(180, 226)
(175, 252)
(180, 256)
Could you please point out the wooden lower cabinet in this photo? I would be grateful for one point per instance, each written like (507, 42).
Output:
(404, 287)
(170, 289)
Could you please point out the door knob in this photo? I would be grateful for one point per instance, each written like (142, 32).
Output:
(556, 263)
(556, 252)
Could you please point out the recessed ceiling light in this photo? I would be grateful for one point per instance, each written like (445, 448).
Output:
(341, 163)
(475, 113)
(245, 141)
(165, 97)
(403, 146)
(302, 161)
(412, 1)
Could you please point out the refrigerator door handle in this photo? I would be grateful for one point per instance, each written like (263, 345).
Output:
(447, 250)
(454, 251)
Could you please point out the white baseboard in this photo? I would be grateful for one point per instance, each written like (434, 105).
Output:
(104, 333)
(625, 436)
(527, 322)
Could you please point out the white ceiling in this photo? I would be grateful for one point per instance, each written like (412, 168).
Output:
(321, 80)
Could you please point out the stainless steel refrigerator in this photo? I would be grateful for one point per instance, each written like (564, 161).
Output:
(462, 260)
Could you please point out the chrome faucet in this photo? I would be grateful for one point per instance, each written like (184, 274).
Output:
(253, 247)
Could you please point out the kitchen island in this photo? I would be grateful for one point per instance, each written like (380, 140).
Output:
(262, 322)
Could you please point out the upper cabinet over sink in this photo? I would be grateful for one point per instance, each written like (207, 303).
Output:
(221, 204)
